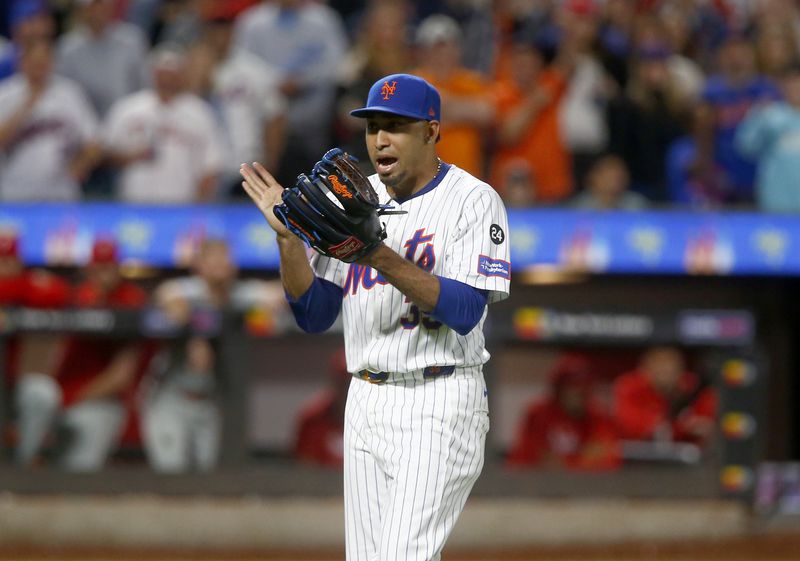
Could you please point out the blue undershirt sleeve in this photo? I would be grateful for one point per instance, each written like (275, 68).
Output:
(460, 306)
(317, 309)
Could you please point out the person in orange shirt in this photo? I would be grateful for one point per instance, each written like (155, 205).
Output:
(662, 401)
(567, 428)
(469, 107)
(320, 424)
(528, 135)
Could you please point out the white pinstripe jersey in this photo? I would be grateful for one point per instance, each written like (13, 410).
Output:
(456, 228)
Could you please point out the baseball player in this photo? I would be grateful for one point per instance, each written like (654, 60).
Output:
(416, 416)
(181, 421)
(82, 401)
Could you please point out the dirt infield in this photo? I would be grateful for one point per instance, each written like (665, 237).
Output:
(768, 547)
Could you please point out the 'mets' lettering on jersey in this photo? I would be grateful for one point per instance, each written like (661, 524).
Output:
(367, 278)
(454, 228)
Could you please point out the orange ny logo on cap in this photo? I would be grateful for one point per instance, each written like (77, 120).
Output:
(387, 91)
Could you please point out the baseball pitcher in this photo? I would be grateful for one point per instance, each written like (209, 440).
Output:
(412, 256)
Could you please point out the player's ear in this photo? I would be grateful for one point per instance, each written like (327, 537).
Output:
(432, 132)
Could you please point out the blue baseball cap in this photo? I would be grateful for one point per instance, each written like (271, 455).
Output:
(405, 95)
(23, 10)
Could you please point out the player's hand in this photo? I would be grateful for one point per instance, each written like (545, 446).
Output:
(265, 192)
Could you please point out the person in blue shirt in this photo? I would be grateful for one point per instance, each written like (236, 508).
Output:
(770, 135)
(727, 98)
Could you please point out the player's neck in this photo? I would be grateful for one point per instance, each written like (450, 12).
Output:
(427, 174)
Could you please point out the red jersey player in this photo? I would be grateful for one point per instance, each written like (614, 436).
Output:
(320, 425)
(35, 288)
(662, 401)
(567, 428)
(85, 395)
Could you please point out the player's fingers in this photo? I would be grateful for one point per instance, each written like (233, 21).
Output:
(251, 192)
(267, 176)
(256, 184)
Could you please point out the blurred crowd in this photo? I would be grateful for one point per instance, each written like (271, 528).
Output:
(595, 104)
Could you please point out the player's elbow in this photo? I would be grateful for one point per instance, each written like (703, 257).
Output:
(317, 309)
(459, 306)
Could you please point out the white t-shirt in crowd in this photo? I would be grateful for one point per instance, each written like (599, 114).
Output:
(185, 140)
(582, 112)
(35, 165)
(247, 90)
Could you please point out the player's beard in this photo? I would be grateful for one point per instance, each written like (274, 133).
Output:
(397, 183)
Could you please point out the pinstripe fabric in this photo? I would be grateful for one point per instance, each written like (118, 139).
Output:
(413, 446)
(458, 214)
(413, 450)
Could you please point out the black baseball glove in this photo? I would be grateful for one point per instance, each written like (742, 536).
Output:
(334, 209)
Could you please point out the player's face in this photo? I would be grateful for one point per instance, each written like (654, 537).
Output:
(664, 368)
(397, 148)
(105, 275)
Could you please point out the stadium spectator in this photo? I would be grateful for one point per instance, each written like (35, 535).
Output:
(320, 424)
(519, 188)
(582, 110)
(776, 51)
(615, 38)
(719, 168)
(378, 50)
(478, 23)
(181, 421)
(528, 136)
(650, 115)
(662, 401)
(48, 132)
(179, 22)
(668, 27)
(608, 187)
(105, 57)
(770, 134)
(567, 428)
(306, 42)
(245, 93)
(165, 140)
(30, 22)
(469, 107)
(82, 401)
(144, 15)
